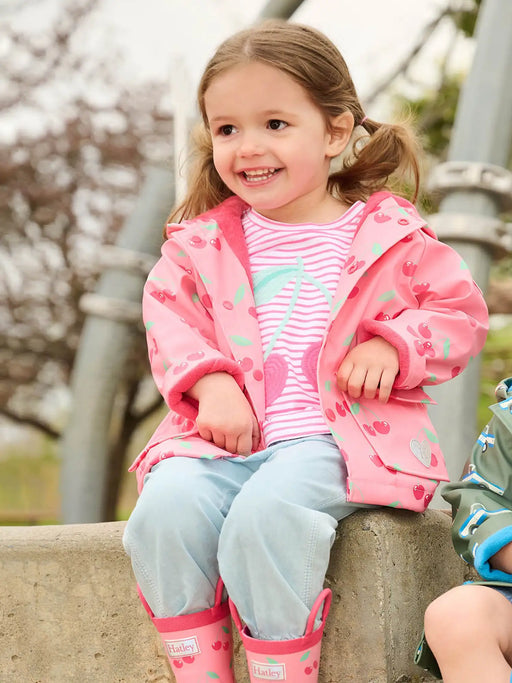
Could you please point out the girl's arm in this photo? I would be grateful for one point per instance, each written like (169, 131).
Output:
(225, 416)
(181, 337)
(437, 319)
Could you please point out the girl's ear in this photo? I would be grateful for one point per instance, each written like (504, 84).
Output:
(341, 128)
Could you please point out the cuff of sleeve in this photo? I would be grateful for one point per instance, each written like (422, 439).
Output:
(487, 549)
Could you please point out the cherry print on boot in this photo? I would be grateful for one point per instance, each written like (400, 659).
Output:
(295, 661)
(199, 646)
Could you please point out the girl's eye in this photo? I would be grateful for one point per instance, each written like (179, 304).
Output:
(276, 124)
(227, 130)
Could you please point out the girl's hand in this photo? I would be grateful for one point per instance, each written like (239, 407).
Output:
(225, 416)
(369, 368)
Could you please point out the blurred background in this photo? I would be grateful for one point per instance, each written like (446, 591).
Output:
(96, 98)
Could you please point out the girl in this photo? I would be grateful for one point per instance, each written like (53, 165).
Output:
(291, 326)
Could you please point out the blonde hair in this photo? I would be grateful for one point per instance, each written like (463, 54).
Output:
(312, 60)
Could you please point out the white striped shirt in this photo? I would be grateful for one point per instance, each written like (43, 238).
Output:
(296, 269)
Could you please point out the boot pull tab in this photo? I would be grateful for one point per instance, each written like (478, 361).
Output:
(218, 592)
(324, 597)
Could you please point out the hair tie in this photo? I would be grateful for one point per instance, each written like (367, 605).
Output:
(363, 120)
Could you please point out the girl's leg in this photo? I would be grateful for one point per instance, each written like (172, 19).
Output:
(275, 543)
(172, 538)
(469, 630)
(173, 532)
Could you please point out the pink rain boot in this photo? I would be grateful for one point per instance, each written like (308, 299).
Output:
(200, 645)
(296, 660)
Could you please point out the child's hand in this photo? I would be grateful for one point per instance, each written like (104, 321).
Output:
(369, 368)
(225, 416)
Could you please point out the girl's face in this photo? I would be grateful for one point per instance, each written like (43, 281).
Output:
(271, 144)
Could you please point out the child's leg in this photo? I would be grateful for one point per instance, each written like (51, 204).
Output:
(275, 544)
(172, 538)
(172, 534)
(469, 630)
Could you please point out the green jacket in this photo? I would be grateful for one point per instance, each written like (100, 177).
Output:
(482, 501)
(482, 504)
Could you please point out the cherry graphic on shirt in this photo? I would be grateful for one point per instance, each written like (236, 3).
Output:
(177, 663)
(215, 242)
(189, 659)
(216, 645)
(276, 373)
(368, 428)
(309, 363)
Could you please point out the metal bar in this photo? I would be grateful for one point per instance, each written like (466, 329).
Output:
(279, 9)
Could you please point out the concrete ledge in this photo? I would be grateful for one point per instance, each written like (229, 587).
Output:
(69, 611)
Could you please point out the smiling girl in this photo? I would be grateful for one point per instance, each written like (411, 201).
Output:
(293, 319)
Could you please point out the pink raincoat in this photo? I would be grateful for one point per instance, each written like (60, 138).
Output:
(398, 282)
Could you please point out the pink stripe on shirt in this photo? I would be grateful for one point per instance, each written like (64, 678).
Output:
(295, 270)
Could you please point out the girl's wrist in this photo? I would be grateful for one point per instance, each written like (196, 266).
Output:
(213, 381)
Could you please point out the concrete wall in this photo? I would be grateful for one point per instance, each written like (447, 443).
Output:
(69, 611)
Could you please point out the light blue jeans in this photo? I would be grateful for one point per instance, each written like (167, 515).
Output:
(265, 523)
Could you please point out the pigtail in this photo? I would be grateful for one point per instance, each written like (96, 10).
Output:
(385, 156)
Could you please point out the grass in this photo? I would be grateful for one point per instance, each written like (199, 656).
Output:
(29, 485)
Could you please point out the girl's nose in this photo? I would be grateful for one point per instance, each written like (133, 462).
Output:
(250, 145)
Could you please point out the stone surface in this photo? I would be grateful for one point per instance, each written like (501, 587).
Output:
(69, 611)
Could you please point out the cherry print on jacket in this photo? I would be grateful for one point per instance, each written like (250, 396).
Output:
(393, 250)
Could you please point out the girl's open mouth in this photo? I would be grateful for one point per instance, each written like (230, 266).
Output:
(259, 175)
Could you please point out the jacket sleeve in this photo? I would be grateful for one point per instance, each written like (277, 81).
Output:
(443, 319)
(181, 333)
(482, 501)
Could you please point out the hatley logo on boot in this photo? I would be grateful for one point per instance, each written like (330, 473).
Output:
(268, 672)
(182, 647)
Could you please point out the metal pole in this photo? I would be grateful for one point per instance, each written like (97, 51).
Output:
(476, 187)
(114, 310)
(279, 9)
